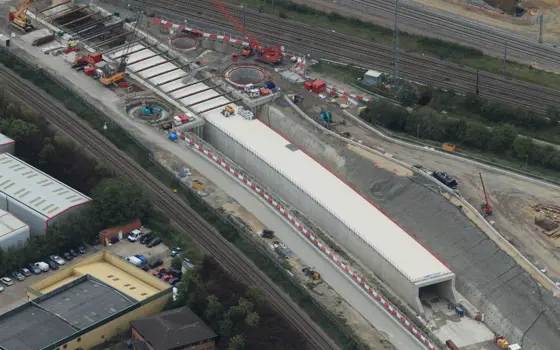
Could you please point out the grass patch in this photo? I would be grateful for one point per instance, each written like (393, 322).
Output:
(333, 325)
(452, 52)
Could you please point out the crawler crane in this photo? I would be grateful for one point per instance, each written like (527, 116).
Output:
(18, 18)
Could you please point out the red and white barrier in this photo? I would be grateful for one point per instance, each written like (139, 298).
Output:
(316, 243)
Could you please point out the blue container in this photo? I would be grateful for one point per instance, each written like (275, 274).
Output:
(459, 311)
(270, 85)
(173, 137)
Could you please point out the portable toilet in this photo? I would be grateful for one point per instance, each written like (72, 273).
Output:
(173, 136)
(318, 86)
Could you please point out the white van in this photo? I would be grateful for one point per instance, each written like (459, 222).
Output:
(134, 235)
(42, 265)
(134, 261)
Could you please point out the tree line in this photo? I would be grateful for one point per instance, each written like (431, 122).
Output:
(501, 139)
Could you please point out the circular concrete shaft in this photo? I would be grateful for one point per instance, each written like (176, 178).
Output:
(183, 42)
(242, 75)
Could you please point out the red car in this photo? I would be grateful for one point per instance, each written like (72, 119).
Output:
(159, 270)
(166, 278)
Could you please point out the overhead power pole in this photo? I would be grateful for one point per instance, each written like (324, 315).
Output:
(541, 27)
(396, 46)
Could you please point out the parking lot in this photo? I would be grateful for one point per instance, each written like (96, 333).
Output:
(125, 248)
(15, 294)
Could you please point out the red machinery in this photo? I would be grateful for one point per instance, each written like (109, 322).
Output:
(486, 207)
(264, 54)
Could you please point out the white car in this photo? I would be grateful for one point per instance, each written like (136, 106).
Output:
(42, 265)
(7, 281)
(58, 259)
(1, 289)
(134, 235)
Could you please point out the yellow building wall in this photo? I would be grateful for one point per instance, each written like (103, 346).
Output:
(110, 330)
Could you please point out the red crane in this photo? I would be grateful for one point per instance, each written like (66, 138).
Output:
(264, 54)
(486, 207)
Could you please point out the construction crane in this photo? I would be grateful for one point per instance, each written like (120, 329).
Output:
(264, 54)
(486, 207)
(119, 75)
(18, 18)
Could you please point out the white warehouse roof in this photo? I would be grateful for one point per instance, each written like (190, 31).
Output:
(5, 140)
(380, 232)
(9, 223)
(35, 189)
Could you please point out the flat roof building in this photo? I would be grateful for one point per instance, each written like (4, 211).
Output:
(174, 329)
(7, 145)
(74, 309)
(33, 196)
(13, 232)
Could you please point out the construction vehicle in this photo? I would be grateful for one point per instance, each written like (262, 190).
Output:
(501, 341)
(91, 59)
(18, 18)
(149, 109)
(119, 75)
(228, 111)
(263, 54)
(450, 345)
(295, 98)
(197, 185)
(308, 271)
(486, 208)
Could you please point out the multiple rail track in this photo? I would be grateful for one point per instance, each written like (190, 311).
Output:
(181, 214)
(365, 53)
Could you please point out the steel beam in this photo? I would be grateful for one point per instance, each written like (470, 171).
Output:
(194, 93)
(218, 106)
(147, 58)
(64, 13)
(54, 6)
(153, 65)
(86, 26)
(170, 80)
(100, 32)
(80, 19)
(112, 39)
(120, 47)
(184, 86)
(207, 99)
(135, 51)
(166, 71)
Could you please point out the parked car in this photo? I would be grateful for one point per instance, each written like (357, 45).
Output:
(26, 272)
(67, 256)
(167, 278)
(155, 241)
(82, 249)
(156, 263)
(134, 261)
(35, 269)
(7, 281)
(57, 259)
(159, 270)
(42, 265)
(134, 235)
(174, 273)
(445, 179)
(146, 238)
(18, 276)
(1, 289)
(73, 252)
(174, 281)
(145, 268)
(175, 252)
(142, 258)
(52, 264)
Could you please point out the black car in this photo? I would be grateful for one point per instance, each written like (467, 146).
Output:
(18, 276)
(174, 273)
(35, 269)
(82, 249)
(67, 256)
(145, 268)
(146, 238)
(445, 179)
(26, 272)
(156, 263)
(52, 264)
(73, 252)
(174, 281)
(152, 243)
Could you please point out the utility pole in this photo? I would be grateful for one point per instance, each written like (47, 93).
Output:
(272, 6)
(396, 46)
(477, 74)
(244, 16)
(505, 58)
(541, 27)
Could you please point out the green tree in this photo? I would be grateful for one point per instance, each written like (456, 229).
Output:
(522, 147)
(22, 131)
(236, 343)
(252, 319)
(408, 95)
(47, 154)
(256, 295)
(213, 309)
(176, 263)
(226, 326)
(502, 139)
(118, 201)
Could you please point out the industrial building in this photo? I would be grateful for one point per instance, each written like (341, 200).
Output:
(174, 329)
(374, 239)
(83, 306)
(33, 196)
(13, 232)
(7, 145)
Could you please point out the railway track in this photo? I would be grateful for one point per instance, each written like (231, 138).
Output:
(365, 53)
(204, 235)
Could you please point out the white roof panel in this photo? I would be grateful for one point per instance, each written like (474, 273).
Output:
(380, 232)
(9, 223)
(168, 76)
(5, 140)
(35, 189)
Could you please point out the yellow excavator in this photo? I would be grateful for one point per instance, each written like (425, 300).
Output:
(18, 18)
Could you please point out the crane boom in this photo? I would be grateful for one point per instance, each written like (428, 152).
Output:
(23, 9)
(253, 43)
